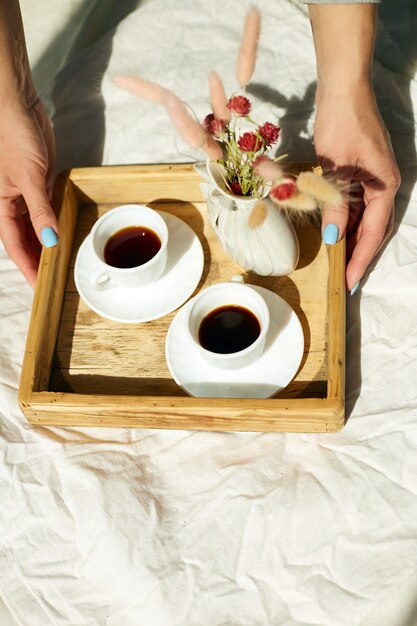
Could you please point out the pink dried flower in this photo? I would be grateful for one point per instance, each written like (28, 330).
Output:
(249, 142)
(218, 97)
(269, 133)
(239, 105)
(213, 126)
(248, 48)
(283, 190)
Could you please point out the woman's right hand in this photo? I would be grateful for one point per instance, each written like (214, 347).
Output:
(352, 142)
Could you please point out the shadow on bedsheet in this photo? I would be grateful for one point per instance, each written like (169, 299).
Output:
(79, 122)
(394, 71)
(395, 68)
(294, 140)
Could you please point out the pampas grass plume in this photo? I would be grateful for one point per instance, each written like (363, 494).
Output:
(298, 202)
(140, 87)
(258, 215)
(218, 98)
(184, 123)
(188, 127)
(320, 188)
(212, 148)
(246, 59)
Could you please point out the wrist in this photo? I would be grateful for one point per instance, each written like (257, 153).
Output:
(342, 89)
(18, 91)
(16, 85)
(343, 41)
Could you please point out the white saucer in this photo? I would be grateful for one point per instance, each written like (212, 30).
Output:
(182, 274)
(273, 371)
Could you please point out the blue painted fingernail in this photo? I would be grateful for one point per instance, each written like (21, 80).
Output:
(355, 288)
(49, 237)
(331, 234)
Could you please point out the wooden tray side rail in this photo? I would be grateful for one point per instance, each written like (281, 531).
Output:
(146, 184)
(48, 297)
(301, 415)
(336, 333)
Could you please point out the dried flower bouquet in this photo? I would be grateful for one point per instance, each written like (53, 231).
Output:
(225, 138)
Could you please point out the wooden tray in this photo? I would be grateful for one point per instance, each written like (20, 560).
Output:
(82, 370)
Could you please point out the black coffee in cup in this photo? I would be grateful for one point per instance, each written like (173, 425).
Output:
(228, 328)
(131, 246)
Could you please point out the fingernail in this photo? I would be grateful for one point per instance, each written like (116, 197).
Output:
(355, 288)
(49, 237)
(331, 234)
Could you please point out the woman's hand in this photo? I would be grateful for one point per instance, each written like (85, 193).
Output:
(26, 159)
(352, 142)
(350, 136)
(26, 152)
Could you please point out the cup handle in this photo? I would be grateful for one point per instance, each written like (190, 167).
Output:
(100, 280)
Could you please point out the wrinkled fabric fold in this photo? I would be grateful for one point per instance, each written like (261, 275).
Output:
(127, 527)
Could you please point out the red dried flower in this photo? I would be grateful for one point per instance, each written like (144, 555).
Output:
(249, 142)
(284, 190)
(239, 105)
(236, 188)
(212, 125)
(269, 133)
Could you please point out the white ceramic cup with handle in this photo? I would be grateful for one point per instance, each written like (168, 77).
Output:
(228, 295)
(104, 276)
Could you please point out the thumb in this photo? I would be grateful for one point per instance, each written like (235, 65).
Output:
(41, 213)
(334, 221)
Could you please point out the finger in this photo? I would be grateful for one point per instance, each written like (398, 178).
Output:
(388, 232)
(14, 243)
(335, 218)
(29, 236)
(50, 176)
(352, 240)
(50, 179)
(334, 221)
(49, 184)
(43, 218)
(357, 207)
(371, 238)
(389, 229)
(48, 134)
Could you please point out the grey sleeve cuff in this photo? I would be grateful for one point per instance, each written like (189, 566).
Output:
(340, 1)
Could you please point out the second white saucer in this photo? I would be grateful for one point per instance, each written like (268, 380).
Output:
(273, 371)
(183, 271)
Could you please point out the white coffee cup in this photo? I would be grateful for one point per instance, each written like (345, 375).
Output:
(104, 276)
(223, 294)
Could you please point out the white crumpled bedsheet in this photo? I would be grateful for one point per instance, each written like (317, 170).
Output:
(163, 528)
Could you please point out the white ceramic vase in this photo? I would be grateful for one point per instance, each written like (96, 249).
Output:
(270, 249)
